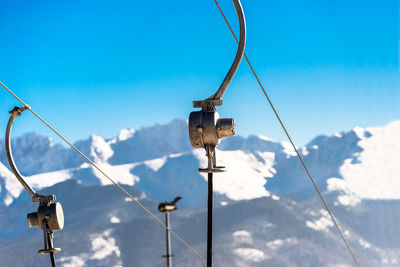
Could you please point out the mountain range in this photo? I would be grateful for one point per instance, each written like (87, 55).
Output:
(266, 211)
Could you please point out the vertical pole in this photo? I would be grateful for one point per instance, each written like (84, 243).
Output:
(45, 236)
(48, 242)
(168, 236)
(209, 219)
(52, 259)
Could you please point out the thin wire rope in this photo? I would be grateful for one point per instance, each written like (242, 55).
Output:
(108, 177)
(292, 143)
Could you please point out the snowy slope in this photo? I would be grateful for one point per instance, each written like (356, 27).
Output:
(372, 173)
(355, 165)
(102, 229)
(10, 188)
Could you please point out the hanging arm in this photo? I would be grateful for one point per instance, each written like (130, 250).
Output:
(206, 128)
(216, 99)
(17, 111)
(49, 216)
(239, 53)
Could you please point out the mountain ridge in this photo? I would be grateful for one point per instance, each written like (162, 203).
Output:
(257, 165)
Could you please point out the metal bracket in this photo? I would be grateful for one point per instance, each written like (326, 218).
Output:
(207, 104)
(43, 200)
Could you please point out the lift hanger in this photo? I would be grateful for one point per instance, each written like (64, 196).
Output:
(49, 216)
(206, 128)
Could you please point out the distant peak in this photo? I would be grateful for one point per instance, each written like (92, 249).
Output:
(338, 135)
(100, 149)
(125, 134)
(3, 170)
(262, 137)
(359, 132)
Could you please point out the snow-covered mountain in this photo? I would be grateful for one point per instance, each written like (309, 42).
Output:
(158, 160)
(10, 188)
(359, 164)
(356, 170)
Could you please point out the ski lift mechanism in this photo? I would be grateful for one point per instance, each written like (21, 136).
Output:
(49, 217)
(206, 128)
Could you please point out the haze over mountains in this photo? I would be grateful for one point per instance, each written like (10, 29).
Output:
(267, 213)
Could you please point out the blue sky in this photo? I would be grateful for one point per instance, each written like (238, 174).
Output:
(100, 66)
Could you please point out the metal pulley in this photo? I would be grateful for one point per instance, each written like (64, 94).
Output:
(49, 217)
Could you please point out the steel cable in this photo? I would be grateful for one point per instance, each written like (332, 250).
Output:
(108, 177)
(291, 142)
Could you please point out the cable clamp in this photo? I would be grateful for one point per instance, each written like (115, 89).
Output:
(207, 104)
(18, 110)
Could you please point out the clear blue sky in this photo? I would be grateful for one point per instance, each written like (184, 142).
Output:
(100, 66)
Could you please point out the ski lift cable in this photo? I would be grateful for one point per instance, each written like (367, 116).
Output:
(107, 176)
(292, 143)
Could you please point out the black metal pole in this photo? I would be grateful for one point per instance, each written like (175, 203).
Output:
(168, 237)
(209, 219)
(52, 259)
(48, 242)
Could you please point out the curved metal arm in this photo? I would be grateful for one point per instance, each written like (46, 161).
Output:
(239, 53)
(15, 113)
